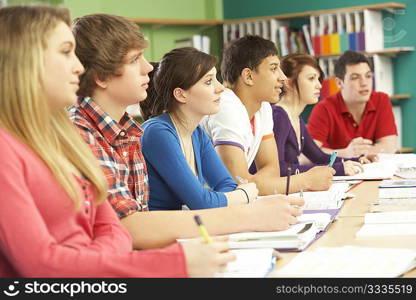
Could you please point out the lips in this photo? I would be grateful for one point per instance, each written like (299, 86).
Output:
(364, 92)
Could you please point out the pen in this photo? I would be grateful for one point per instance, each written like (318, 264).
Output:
(301, 191)
(289, 170)
(241, 180)
(332, 159)
(202, 229)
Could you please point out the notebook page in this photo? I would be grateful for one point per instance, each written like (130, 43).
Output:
(250, 263)
(350, 261)
(372, 171)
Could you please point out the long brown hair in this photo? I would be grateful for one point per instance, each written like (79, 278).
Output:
(181, 67)
(24, 109)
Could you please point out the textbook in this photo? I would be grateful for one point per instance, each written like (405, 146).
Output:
(250, 263)
(297, 237)
(394, 223)
(350, 261)
(397, 189)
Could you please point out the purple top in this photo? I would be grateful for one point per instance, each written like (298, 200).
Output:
(289, 150)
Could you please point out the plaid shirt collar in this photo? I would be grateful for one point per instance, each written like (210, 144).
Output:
(109, 128)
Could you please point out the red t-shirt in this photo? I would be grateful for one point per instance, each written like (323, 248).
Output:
(332, 124)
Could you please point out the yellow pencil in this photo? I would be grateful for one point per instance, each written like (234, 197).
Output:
(202, 229)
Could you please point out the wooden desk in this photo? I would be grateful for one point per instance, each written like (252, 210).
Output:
(351, 218)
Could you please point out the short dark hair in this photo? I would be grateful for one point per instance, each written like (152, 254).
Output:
(246, 52)
(350, 58)
(181, 67)
(102, 44)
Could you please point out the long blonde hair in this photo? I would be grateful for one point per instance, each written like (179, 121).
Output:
(24, 109)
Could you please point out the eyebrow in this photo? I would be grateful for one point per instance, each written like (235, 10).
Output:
(358, 74)
(213, 74)
(135, 54)
(70, 43)
(274, 64)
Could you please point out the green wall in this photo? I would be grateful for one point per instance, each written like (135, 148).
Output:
(404, 63)
(161, 37)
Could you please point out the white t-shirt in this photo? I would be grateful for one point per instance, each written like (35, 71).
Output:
(232, 126)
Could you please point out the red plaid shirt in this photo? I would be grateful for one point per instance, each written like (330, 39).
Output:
(118, 149)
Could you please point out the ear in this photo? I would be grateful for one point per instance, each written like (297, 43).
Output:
(247, 76)
(339, 82)
(180, 95)
(101, 83)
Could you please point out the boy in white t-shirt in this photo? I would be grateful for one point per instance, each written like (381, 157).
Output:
(242, 131)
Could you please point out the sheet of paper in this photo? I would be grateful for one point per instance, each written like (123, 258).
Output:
(350, 261)
(372, 171)
(250, 263)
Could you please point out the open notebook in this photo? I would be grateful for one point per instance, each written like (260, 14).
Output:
(297, 237)
(395, 223)
(250, 263)
(330, 199)
(350, 261)
(372, 171)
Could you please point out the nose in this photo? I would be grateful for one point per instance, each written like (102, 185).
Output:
(319, 85)
(282, 76)
(78, 68)
(147, 67)
(220, 88)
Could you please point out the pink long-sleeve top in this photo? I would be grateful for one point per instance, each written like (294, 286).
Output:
(42, 235)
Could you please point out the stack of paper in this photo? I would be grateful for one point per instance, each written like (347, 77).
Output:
(250, 263)
(405, 163)
(397, 189)
(395, 223)
(350, 261)
(372, 171)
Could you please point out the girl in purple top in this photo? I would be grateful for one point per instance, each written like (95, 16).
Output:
(292, 138)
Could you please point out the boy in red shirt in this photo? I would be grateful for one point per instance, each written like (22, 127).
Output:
(357, 120)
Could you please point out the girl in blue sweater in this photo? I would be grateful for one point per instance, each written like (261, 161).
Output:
(183, 167)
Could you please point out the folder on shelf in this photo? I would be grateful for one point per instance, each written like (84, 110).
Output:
(249, 28)
(257, 28)
(333, 87)
(373, 30)
(274, 32)
(383, 74)
(308, 40)
(265, 29)
(241, 30)
(352, 36)
(342, 31)
(315, 34)
(334, 38)
(325, 42)
(359, 29)
(284, 40)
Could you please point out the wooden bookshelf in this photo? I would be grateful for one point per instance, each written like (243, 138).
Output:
(388, 51)
(400, 96)
(406, 150)
(381, 6)
(178, 22)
